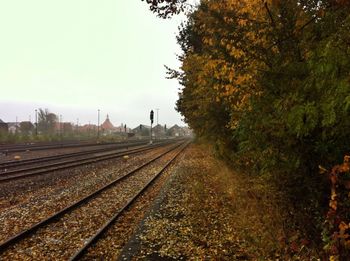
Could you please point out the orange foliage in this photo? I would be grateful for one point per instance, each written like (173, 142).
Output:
(338, 221)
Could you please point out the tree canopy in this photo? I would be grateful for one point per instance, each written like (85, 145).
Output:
(267, 82)
(269, 79)
(46, 121)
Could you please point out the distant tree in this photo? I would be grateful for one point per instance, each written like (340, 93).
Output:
(67, 127)
(26, 127)
(46, 121)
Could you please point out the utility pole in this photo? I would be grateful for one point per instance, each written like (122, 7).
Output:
(61, 128)
(157, 115)
(77, 129)
(36, 122)
(98, 124)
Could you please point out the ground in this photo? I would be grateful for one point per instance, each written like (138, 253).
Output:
(207, 211)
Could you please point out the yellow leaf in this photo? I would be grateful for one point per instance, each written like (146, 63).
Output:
(333, 194)
(343, 226)
(333, 258)
(322, 169)
(333, 204)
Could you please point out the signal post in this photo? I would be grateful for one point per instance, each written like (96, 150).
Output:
(151, 116)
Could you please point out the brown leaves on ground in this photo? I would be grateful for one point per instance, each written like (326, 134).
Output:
(212, 213)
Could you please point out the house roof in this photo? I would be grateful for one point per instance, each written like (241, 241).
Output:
(27, 122)
(177, 127)
(143, 126)
(159, 127)
(107, 125)
(13, 124)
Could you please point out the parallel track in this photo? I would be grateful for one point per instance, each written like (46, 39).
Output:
(48, 167)
(5, 149)
(16, 163)
(85, 200)
(7, 165)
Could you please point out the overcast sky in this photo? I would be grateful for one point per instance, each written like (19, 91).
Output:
(75, 57)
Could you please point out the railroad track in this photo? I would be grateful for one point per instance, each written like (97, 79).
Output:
(6, 149)
(74, 160)
(16, 163)
(69, 233)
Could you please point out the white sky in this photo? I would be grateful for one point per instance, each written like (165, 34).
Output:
(75, 57)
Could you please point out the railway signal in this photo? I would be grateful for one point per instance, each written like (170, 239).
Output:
(151, 116)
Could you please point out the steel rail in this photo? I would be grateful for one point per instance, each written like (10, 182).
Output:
(21, 148)
(39, 170)
(111, 221)
(41, 144)
(48, 147)
(17, 163)
(31, 230)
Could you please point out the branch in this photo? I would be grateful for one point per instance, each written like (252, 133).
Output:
(270, 14)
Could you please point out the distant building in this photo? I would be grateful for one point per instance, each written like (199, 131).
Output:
(87, 128)
(3, 126)
(67, 127)
(175, 131)
(122, 129)
(13, 127)
(158, 131)
(26, 127)
(107, 126)
(142, 130)
(187, 131)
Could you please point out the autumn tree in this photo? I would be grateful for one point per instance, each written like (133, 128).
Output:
(254, 61)
(26, 127)
(46, 121)
(267, 82)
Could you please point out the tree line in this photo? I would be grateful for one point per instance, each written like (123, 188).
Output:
(268, 83)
